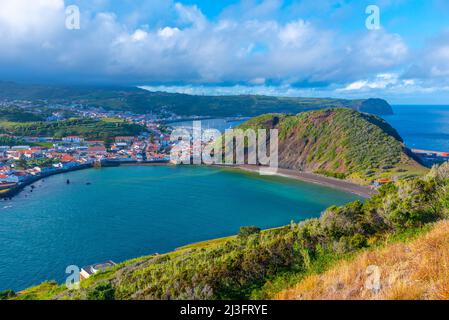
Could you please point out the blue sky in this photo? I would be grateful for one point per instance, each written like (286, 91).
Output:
(294, 48)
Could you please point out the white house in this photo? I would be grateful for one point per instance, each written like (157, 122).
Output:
(73, 139)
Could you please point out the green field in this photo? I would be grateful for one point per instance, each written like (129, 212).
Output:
(104, 129)
(15, 114)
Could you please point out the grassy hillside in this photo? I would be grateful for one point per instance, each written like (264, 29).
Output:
(143, 101)
(87, 128)
(15, 114)
(415, 270)
(259, 264)
(341, 143)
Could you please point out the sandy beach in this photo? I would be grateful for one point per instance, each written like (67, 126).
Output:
(363, 191)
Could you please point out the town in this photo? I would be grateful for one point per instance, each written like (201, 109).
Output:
(38, 156)
(26, 155)
(22, 164)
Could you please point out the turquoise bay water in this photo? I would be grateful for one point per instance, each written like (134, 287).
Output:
(128, 212)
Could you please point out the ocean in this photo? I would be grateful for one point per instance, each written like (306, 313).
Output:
(422, 126)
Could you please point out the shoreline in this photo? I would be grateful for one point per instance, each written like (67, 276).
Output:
(308, 177)
(19, 188)
(12, 192)
(342, 185)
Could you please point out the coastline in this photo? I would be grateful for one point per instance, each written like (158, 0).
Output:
(18, 188)
(342, 185)
(363, 191)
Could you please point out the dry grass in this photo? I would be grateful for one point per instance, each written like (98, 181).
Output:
(406, 271)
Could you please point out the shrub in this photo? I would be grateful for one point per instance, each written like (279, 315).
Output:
(7, 294)
(344, 221)
(358, 241)
(103, 291)
(245, 232)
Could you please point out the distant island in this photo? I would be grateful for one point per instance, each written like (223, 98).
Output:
(141, 101)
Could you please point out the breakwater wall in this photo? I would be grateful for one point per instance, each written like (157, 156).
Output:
(18, 188)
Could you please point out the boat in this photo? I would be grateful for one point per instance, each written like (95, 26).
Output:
(4, 186)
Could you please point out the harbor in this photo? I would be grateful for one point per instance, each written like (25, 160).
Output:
(430, 157)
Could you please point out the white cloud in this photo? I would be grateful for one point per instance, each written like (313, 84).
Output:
(20, 18)
(295, 33)
(436, 58)
(256, 89)
(257, 81)
(191, 14)
(381, 81)
(396, 88)
(139, 35)
(26, 25)
(245, 44)
(168, 32)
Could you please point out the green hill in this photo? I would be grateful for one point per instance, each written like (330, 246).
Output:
(259, 264)
(142, 101)
(341, 143)
(87, 128)
(15, 114)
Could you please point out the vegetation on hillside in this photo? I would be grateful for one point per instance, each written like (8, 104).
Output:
(6, 140)
(7, 294)
(340, 143)
(88, 128)
(257, 264)
(15, 114)
(414, 270)
(142, 101)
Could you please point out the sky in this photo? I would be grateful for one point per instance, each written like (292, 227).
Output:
(312, 48)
